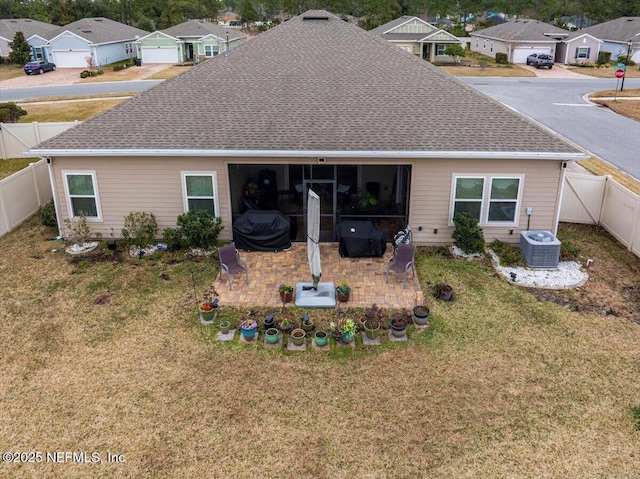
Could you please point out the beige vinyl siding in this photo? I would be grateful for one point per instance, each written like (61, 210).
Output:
(152, 185)
(431, 196)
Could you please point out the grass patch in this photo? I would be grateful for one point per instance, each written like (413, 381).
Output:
(501, 385)
(509, 254)
(599, 167)
(13, 165)
(629, 108)
(170, 72)
(493, 70)
(66, 111)
(632, 72)
(10, 71)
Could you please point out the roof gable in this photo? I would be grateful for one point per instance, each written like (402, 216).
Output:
(99, 30)
(619, 30)
(522, 30)
(201, 28)
(296, 88)
(157, 34)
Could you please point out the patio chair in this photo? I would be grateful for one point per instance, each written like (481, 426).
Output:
(231, 263)
(402, 261)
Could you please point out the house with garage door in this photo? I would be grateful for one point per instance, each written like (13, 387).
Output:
(579, 47)
(377, 132)
(35, 33)
(190, 41)
(518, 39)
(104, 41)
(418, 37)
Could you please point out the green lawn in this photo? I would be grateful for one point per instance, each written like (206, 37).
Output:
(105, 354)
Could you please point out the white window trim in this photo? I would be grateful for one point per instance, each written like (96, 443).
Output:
(214, 179)
(214, 50)
(440, 48)
(486, 198)
(94, 179)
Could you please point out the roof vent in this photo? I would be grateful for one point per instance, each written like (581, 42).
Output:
(98, 19)
(86, 31)
(318, 16)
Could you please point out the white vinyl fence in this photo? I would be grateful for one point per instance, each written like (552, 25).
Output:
(15, 138)
(603, 201)
(22, 193)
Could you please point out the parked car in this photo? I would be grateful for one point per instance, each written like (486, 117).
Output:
(540, 60)
(38, 67)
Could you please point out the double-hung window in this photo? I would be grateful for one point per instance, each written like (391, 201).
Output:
(583, 52)
(199, 191)
(489, 199)
(81, 191)
(440, 48)
(211, 50)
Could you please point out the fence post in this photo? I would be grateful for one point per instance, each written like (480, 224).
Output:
(603, 200)
(3, 149)
(3, 209)
(32, 166)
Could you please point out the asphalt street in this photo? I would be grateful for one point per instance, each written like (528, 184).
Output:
(98, 88)
(561, 105)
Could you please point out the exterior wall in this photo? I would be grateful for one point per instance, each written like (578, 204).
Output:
(154, 185)
(68, 42)
(4, 47)
(431, 197)
(412, 47)
(485, 46)
(615, 49)
(111, 53)
(567, 52)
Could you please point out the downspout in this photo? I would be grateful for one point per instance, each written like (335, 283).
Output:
(53, 193)
(556, 221)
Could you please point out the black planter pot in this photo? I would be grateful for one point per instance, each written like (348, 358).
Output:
(268, 322)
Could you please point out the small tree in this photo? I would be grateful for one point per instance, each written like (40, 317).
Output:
(455, 51)
(467, 234)
(20, 50)
(10, 112)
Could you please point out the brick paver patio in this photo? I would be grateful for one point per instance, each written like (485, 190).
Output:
(366, 276)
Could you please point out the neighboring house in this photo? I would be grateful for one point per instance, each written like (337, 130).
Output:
(418, 37)
(576, 22)
(230, 20)
(579, 47)
(193, 40)
(35, 33)
(615, 35)
(294, 109)
(105, 41)
(518, 39)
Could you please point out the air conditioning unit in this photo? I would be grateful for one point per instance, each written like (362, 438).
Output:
(541, 249)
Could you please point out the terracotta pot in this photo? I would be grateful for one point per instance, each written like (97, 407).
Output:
(286, 296)
(342, 297)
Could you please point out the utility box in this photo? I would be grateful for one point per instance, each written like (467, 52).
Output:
(541, 249)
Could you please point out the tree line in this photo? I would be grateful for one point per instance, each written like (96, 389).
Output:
(153, 15)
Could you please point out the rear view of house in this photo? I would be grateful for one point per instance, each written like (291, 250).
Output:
(377, 132)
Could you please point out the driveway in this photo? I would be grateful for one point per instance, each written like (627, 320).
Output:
(558, 71)
(68, 76)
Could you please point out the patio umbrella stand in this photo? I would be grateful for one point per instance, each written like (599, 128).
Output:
(314, 294)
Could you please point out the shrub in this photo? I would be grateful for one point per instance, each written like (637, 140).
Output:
(172, 237)
(10, 112)
(623, 59)
(79, 231)
(140, 229)
(603, 57)
(47, 214)
(509, 255)
(200, 228)
(117, 68)
(87, 73)
(502, 58)
(467, 234)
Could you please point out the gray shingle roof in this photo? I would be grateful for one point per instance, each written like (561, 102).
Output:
(99, 30)
(9, 27)
(618, 30)
(200, 28)
(521, 30)
(312, 85)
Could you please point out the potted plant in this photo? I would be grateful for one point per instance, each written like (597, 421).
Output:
(272, 335)
(444, 292)
(398, 327)
(286, 292)
(248, 328)
(207, 310)
(336, 332)
(307, 323)
(285, 325)
(348, 329)
(225, 326)
(321, 338)
(298, 336)
(268, 322)
(343, 291)
(372, 328)
(421, 315)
